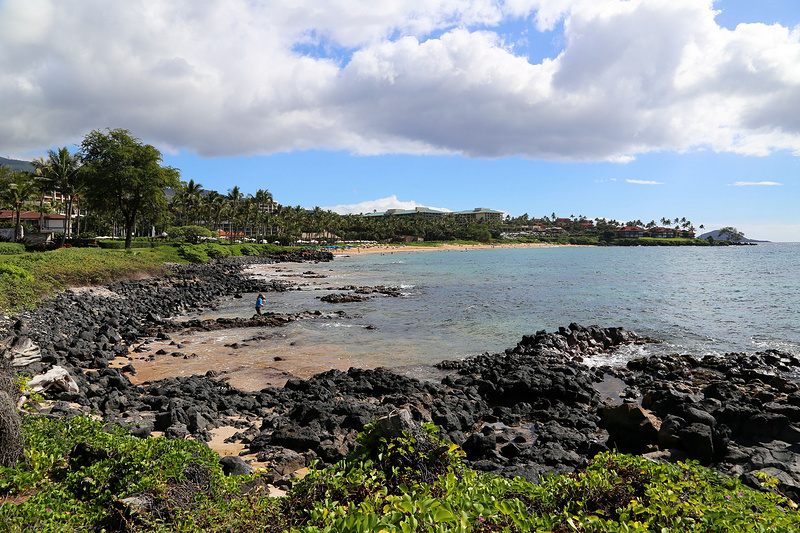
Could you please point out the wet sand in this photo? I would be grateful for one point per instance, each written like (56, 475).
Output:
(255, 358)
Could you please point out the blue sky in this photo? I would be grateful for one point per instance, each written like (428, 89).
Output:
(635, 109)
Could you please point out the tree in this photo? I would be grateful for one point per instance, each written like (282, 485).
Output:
(16, 189)
(62, 170)
(125, 176)
(234, 197)
(192, 196)
(731, 234)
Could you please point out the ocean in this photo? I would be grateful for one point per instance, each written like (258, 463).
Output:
(455, 303)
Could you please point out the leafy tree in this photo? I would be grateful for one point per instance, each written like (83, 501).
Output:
(730, 233)
(125, 176)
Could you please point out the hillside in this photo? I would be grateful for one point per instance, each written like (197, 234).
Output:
(16, 164)
(715, 235)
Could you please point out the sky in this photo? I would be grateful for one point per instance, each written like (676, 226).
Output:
(621, 109)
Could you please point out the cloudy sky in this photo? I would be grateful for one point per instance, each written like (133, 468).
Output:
(622, 109)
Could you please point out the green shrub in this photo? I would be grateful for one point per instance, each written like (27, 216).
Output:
(193, 254)
(190, 234)
(248, 250)
(11, 248)
(111, 245)
(615, 493)
(583, 241)
(193, 234)
(175, 233)
(395, 485)
(180, 476)
(217, 251)
(14, 272)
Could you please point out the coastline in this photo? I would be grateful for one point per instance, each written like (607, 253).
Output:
(443, 247)
(552, 417)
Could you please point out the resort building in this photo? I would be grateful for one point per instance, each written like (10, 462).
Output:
(417, 212)
(630, 231)
(51, 222)
(563, 222)
(661, 233)
(479, 214)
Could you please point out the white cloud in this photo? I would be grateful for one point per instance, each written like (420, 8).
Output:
(645, 182)
(379, 205)
(746, 183)
(399, 76)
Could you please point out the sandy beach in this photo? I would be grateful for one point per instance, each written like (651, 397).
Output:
(444, 247)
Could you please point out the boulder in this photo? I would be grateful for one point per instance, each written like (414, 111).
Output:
(235, 466)
(698, 442)
(479, 445)
(631, 427)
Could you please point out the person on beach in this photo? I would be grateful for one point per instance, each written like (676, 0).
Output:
(259, 303)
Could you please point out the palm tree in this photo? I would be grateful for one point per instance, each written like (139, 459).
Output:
(264, 204)
(64, 171)
(249, 210)
(235, 196)
(42, 180)
(192, 194)
(219, 204)
(18, 188)
(210, 206)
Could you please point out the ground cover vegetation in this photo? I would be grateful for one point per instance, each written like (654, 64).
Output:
(26, 278)
(79, 474)
(117, 186)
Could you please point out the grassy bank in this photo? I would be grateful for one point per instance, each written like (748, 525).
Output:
(27, 278)
(79, 474)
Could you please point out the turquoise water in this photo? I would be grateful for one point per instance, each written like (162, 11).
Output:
(697, 300)
(456, 304)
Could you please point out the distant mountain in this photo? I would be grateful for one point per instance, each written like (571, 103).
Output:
(715, 235)
(16, 164)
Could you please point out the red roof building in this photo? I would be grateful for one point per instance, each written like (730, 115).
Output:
(661, 233)
(631, 232)
(53, 222)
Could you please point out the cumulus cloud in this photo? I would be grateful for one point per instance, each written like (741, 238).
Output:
(236, 77)
(645, 182)
(747, 183)
(379, 205)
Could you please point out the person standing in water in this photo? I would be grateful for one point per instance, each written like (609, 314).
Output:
(259, 303)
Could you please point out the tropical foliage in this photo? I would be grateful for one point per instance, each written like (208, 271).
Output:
(84, 475)
(124, 176)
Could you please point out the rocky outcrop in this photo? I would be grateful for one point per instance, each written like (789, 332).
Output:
(360, 293)
(343, 297)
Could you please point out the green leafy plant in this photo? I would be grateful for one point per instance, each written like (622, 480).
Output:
(11, 248)
(16, 273)
(194, 254)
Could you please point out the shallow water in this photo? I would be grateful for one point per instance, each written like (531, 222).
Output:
(456, 304)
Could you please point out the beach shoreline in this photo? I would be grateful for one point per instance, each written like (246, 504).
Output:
(531, 410)
(444, 247)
